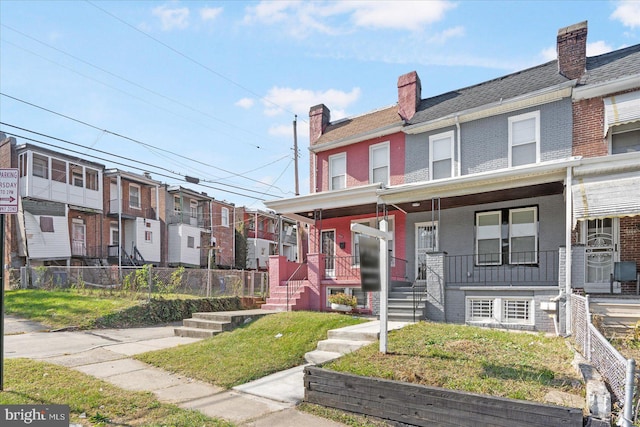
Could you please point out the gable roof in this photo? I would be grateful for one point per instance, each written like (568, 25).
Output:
(360, 125)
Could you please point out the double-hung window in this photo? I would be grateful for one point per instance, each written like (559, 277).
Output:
(338, 171)
(524, 139)
(41, 166)
(625, 138)
(441, 155)
(224, 217)
(379, 163)
(507, 236)
(134, 196)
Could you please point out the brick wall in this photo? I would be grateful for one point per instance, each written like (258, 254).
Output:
(588, 128)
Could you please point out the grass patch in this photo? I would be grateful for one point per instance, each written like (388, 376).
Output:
(84, 309)
(92, 402)
(272, 343)
(514, 365)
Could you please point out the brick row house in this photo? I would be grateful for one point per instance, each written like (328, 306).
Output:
(77, 212)
(483, 188)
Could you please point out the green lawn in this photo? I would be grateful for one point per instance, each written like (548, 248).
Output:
(270, 344)
(33, 382)
(60, 309)
(508, 364)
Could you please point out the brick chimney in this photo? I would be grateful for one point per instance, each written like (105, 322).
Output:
(319, 119)
(572, 50)
(409, 94)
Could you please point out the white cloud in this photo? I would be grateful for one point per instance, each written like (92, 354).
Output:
(412, 15)
(447, 34)
(282, 130)
(245, 103)
(278, 99)
(210, 13)
(171, 18)
(628, 12)
(598, 48)
(549, 54)
(302, 18)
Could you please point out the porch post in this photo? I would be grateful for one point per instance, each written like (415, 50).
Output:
(569, 249)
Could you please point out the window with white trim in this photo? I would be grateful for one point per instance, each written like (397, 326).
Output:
(338, 171)
(500, 310)
(77, 175)
(193, 208)
(441, 155)
(379, 163)
(224, 217)
(524, 139)
(625, 138)
(191, 242)
(134, 196)
(40, 166)
(507, 236)
(373, 223)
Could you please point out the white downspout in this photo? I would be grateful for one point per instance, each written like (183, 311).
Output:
(458, 143)
(233, 239)
(568, 250)
(119, 183)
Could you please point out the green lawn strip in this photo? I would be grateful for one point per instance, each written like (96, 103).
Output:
(34, 382)
(272, 343)
(514, 365)
(59, 309)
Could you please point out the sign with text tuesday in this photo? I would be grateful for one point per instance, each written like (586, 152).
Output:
(8, 191)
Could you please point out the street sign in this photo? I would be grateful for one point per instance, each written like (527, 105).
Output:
(8, 191)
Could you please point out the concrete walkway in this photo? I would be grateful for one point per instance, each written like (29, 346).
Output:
(106, 354)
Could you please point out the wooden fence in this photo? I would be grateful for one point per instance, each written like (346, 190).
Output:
(411, 404)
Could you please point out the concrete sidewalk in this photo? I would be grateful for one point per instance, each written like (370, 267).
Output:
(106, 354)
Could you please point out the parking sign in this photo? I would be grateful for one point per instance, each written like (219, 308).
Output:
(8, 191)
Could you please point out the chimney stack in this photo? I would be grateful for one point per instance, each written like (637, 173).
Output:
(409, 95)
(572, 50)
(319, 119)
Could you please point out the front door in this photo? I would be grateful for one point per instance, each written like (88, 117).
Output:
(601, 238)
(426, 241)
(329, 250)
(78, 237)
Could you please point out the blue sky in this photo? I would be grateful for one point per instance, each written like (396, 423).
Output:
(210, 89)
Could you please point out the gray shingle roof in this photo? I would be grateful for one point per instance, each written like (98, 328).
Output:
(612, 66)
(502, 88)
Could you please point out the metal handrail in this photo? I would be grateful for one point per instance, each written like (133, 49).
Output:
(289, 294)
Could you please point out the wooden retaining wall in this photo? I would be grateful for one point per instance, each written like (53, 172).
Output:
(428, 406)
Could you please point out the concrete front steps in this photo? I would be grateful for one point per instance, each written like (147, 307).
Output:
(277, 299)
(345, 340)
(400, 303)
(617, 316)
(206, 325)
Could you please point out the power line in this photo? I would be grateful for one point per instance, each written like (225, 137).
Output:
(146, 145)
(127, 81)
(124, 158)
(125, 165)
(190, 59)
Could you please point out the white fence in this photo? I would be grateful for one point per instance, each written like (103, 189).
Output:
(617, 371)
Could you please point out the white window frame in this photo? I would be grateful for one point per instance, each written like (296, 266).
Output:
(193, 208)
(432, 140)
(224, 217)
(371, 222)
(387, 162)
(523, 230)
(488, 232)
(191, 242)
(137, 187)
(40, 163)
(519, 118)
(499, 310)
(619, 130)
(332, 160)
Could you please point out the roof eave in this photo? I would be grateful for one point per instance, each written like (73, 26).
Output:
(380, 132)
(595, 90)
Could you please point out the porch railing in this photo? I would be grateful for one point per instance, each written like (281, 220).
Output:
(348, 268)
(541, 268)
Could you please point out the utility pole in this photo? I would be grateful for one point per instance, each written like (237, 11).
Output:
(295, 152)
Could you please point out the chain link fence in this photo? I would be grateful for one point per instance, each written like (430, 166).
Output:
(599, 351)
(146, 281)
